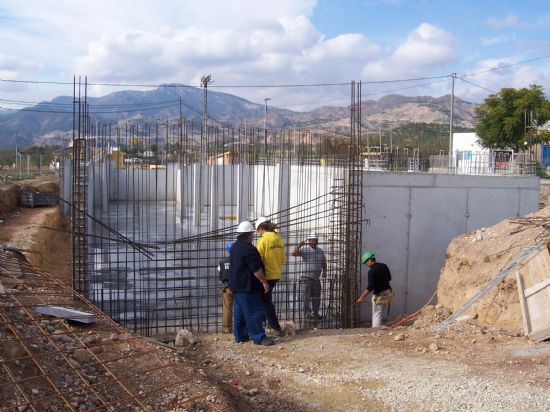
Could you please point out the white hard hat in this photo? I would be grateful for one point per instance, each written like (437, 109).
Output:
(245, 227)
(312, 235)
(261, 220)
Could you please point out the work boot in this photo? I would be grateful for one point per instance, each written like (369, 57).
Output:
(266, 342)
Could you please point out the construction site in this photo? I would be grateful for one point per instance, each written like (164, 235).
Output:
(110, 298)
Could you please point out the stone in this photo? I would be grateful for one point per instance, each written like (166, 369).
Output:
(288, 328)
(466, 317)
(185, 338)
(90, 340)
(399, 337)
(14, 350)
(434, 347)
(253, 392)
(301, 370)
(82, 355)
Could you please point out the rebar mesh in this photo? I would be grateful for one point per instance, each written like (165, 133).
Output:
(57, 363)
(163, 199)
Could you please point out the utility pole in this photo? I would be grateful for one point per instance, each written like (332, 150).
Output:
(204, 131)
(265, 125)
(453, 77)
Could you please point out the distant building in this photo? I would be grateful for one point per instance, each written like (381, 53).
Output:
(225, 158)
(469, 157)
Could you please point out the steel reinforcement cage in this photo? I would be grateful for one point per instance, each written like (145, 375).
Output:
(154, 204)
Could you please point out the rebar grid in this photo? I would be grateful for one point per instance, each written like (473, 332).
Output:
(164, 198)
(58, 364)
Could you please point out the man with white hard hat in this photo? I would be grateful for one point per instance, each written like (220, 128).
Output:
(314, 264)
(247, 282)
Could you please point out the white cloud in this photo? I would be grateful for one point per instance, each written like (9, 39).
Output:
(426, 48)
(491, 41)
(12, 64)
(514, 76)
(239, 42)
(287, 50)
(511, 20)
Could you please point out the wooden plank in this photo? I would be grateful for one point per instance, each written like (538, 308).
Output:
(535, 306)
(515, 265)
(540, 335)
(538, 287)
(523, 305)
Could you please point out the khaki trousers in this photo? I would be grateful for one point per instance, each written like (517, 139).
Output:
(227, 315)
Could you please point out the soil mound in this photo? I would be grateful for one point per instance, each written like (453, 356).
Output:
(474, 258)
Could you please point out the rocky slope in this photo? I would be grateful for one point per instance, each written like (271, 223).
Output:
(49, 122)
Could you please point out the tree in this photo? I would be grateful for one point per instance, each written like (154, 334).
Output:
(511, 117)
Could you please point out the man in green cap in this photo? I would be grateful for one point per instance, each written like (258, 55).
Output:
(378, 283)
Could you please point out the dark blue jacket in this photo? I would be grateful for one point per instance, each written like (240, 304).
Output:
(244, 260)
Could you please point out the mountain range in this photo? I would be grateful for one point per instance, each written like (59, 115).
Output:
(50, 122)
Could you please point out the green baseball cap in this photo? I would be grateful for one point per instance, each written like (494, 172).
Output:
(367, 254)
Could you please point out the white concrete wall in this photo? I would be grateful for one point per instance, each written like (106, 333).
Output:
(412, 217)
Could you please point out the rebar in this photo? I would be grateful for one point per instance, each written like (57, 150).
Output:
(173, 192)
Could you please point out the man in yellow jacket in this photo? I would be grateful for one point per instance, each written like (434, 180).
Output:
(272, 250)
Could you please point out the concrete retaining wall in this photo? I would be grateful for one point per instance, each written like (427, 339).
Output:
(412, 217)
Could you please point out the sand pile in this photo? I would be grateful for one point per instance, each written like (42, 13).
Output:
(474, 258)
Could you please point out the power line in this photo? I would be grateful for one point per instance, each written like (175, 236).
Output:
(91, 105)
(338, 84)
(506, 66)
(476, 85)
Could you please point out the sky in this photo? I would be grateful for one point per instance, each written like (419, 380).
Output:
(298, 53)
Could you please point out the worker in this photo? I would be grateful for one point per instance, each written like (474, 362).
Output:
(272, 251)
(378, 283)
(314, 265)
(247, 282)
(227, 295)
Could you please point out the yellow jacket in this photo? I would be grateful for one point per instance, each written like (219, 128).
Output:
(272, 250)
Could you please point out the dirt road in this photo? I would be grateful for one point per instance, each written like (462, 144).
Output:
(409, 368)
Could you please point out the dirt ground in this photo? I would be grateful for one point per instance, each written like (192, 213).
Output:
(474, 258)
(467, 367)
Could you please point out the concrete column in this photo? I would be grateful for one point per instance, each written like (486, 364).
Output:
(181, 181)
(67, 186)
(104, 186)
(214, 200)
(242, 192)
(197, 194)
(90, 197)
(283, 198)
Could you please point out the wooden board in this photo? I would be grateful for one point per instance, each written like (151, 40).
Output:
(533, 280)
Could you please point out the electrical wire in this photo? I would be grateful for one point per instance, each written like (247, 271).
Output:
(476, 85)
(289, 85)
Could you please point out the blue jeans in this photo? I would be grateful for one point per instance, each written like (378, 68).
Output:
(269, 308)
(248, 317)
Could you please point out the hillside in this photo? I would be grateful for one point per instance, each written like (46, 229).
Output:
(50, 122)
